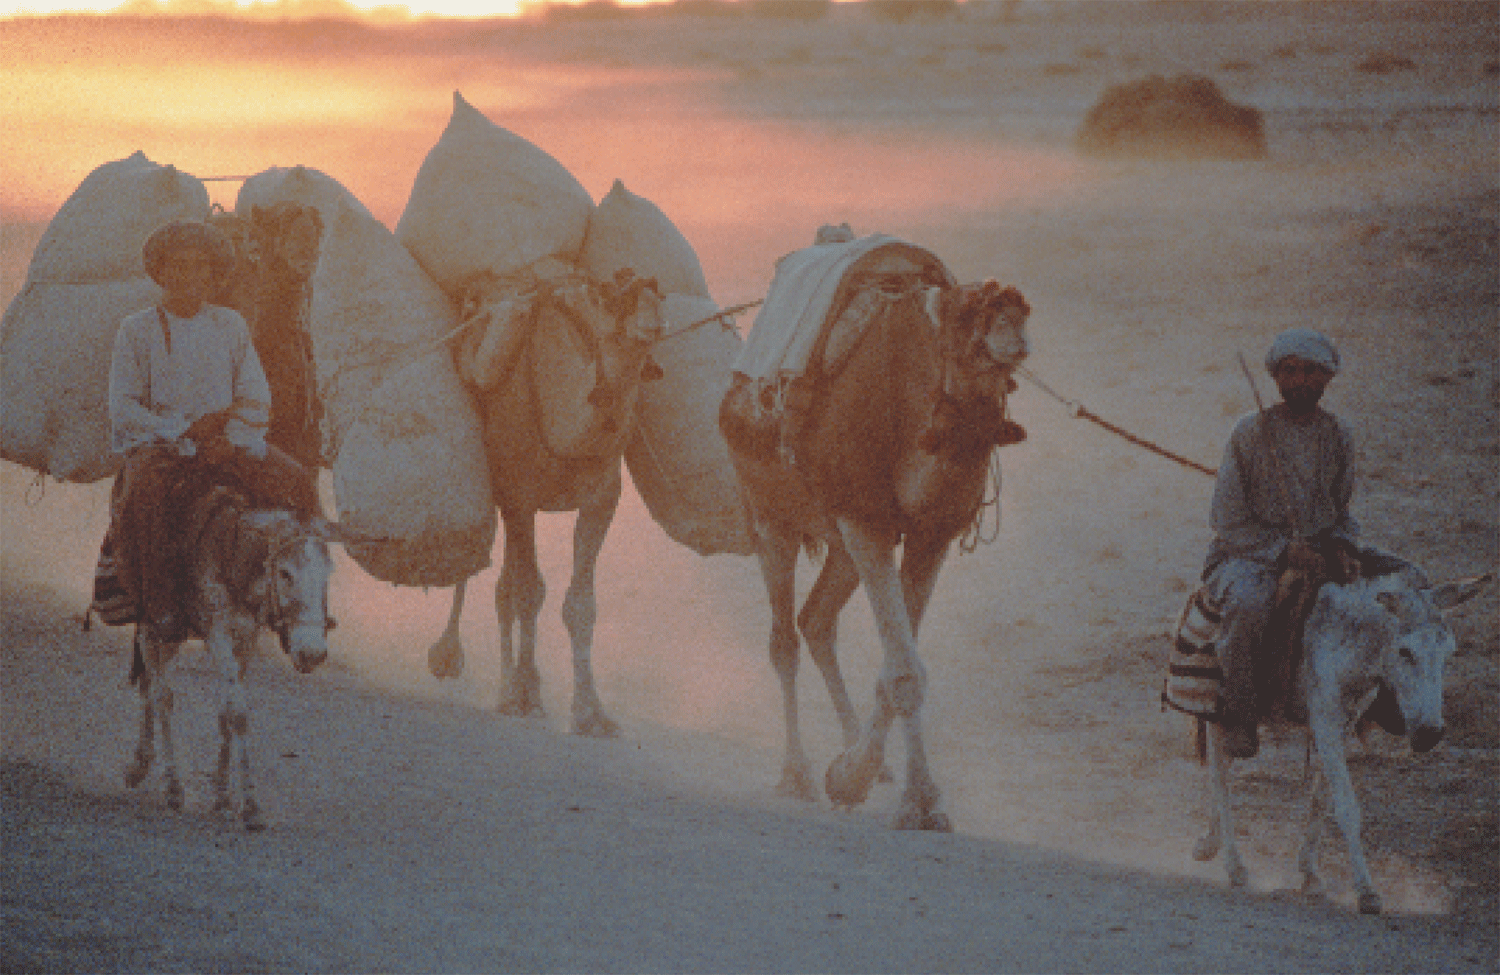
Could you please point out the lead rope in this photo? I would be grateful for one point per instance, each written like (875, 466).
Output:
(1078, 410)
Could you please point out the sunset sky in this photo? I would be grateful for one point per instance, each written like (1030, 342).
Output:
(443, 8)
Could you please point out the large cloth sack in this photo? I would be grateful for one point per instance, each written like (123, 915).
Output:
(629, 231)
(296, 184)
(57, 335)
(677, 458)
(408, 453)
(1193, 672)
(487, 200)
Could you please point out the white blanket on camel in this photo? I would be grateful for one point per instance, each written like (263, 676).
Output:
(802, 290)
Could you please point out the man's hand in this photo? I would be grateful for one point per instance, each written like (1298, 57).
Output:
(1303, 556)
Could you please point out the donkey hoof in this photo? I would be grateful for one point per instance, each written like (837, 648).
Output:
(250, 816)
(1238, 875)
(1205, 849)
(135, 775)
(174, 796)
(1369, 902)
(1312, 885)
(923, 819)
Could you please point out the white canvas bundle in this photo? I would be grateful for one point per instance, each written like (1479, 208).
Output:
(98, 232)
(54, 371)
(409, 462)
(677, 459)
(58, 333)
(629, 231)
(802, 290)
(485, 199)
(296, 184)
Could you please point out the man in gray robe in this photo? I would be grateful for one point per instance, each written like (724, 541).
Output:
(1283, 490)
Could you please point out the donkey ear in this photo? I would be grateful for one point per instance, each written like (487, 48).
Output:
(1447, 595)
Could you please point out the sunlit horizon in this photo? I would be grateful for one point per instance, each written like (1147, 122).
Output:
(456, 9)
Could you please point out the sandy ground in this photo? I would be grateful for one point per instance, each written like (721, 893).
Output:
(413, 830)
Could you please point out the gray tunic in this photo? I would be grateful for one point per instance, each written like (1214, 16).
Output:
(1259, 504)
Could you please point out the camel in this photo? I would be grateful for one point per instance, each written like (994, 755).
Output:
(556, 370)
(884, 440)
(271, 287)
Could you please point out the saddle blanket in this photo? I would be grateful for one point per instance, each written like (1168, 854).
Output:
(801, 294)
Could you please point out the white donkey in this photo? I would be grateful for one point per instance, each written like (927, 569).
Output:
(1373, 637)
(249, 569)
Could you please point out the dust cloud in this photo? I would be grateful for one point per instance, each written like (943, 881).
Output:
(1046, 648)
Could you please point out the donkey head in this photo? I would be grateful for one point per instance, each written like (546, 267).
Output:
(297, 568)
(1412, 662)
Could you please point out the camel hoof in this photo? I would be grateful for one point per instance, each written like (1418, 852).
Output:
(797, 783)
(136, 774)
(1206, 849)
(923, 819)
(445, 661)
(596, 725)
(848, 781)
(1369, 902)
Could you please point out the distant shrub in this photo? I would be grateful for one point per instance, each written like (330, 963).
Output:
(1383, 62)
(900, 11)
(1181, 117)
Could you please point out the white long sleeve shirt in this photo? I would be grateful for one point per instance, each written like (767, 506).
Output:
(157, 387)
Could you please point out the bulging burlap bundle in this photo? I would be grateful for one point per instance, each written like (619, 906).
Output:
(487, 200)
(629, 231)
(296, 184)
(408, 452)
(677, 459)
(57, 336)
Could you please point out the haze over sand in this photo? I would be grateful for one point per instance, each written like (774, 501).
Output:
(1373, 219)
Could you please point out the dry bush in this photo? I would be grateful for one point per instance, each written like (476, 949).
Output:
(1181, 117)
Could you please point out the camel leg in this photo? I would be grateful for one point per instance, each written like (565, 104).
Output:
(1328, 738)
(518, 601)
(1220, 835)
(580, 610)
(819, 622)
(899, 692)
(446, 657)
(777, 550)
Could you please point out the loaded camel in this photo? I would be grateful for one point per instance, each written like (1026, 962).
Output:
(884, 440)
(555, 360)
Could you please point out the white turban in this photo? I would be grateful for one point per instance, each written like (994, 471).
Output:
(1304, 343)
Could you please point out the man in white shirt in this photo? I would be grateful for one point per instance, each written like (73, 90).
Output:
(188, 407)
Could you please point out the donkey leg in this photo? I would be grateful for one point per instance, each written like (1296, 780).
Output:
(445, 658)
(145, 745)
(1220, 835)
(580, 610)
(156, 692)
(234, 720)
(776, 549)
(1307, 857)
(1329, 740)
(518, 601)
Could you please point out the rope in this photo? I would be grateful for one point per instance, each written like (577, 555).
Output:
(975, 535)
(719, 316)
(1078, 410)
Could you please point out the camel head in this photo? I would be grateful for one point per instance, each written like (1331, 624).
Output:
(633, 323)
(982, 338)
(286, 237)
